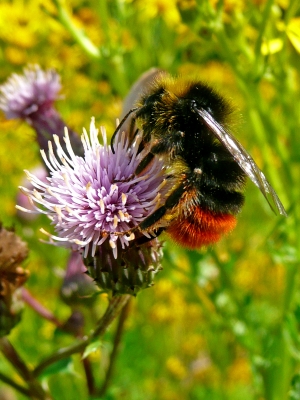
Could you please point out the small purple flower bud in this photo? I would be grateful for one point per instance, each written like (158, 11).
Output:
(75, 323)
(31, 97)
(78, 287)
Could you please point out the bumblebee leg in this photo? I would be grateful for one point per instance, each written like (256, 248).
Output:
(143, 164)
(171, 202)
(153, 218)
(142, 143)
(157, 215)
(144, 239)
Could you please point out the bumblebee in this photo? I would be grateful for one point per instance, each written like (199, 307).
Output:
(186, 122)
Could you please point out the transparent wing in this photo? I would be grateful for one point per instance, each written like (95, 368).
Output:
(244, 160)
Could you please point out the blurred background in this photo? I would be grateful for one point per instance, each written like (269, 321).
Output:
(220, 323)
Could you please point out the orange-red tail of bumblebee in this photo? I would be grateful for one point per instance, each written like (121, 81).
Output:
(202, 228)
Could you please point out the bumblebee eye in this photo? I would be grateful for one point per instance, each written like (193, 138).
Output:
(149, 100)
(153, 98)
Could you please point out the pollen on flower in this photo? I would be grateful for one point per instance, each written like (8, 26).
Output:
(97, 197)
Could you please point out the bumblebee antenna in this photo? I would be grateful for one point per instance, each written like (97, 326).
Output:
(119, 126)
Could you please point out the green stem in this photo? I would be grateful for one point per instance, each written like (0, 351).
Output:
(39, 308)
(253, 99)
(45, 313)
(13, 357)
(291, 11)
(259, 129)
(114, 353)
(115, 306)
(89, 375)
(251, 93)
(15, 385)
(112, 63)
(104, 15)
(84, 42)
(226, 47)
(257, 114)
(263, 25)
(35, 389)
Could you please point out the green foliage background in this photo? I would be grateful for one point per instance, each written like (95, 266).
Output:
(220, 323)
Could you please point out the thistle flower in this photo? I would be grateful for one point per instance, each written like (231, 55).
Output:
(97, 198)
(24, 95)
(31, 97)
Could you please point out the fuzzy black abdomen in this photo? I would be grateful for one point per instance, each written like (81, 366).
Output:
(217, 178)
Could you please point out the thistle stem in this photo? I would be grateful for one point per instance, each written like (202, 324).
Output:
(34, 388)
(13, 357)
(116, 346)
(13, 384)
(84, 42)
(39, 308)
(46, 314)
(115, 305)
(89, 375)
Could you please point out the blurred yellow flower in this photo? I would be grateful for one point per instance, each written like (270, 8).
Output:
(176, 368)
(271, 46)
(167, 9)
(293, 33)
(260, 278)
(24, 23)
(15, 55)
(239, 371)
(230, 5)
(186, 4)
(193, 345)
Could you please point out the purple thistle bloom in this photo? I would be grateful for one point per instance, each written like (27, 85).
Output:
(98, 197)
(24, 95)
(30, 97)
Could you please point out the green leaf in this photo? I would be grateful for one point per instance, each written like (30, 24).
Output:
(91, 348)
(61, 366)
(295, 388)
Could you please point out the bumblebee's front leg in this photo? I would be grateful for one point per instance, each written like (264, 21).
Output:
(171, 202)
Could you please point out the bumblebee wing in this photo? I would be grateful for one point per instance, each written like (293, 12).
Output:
(244, 160)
